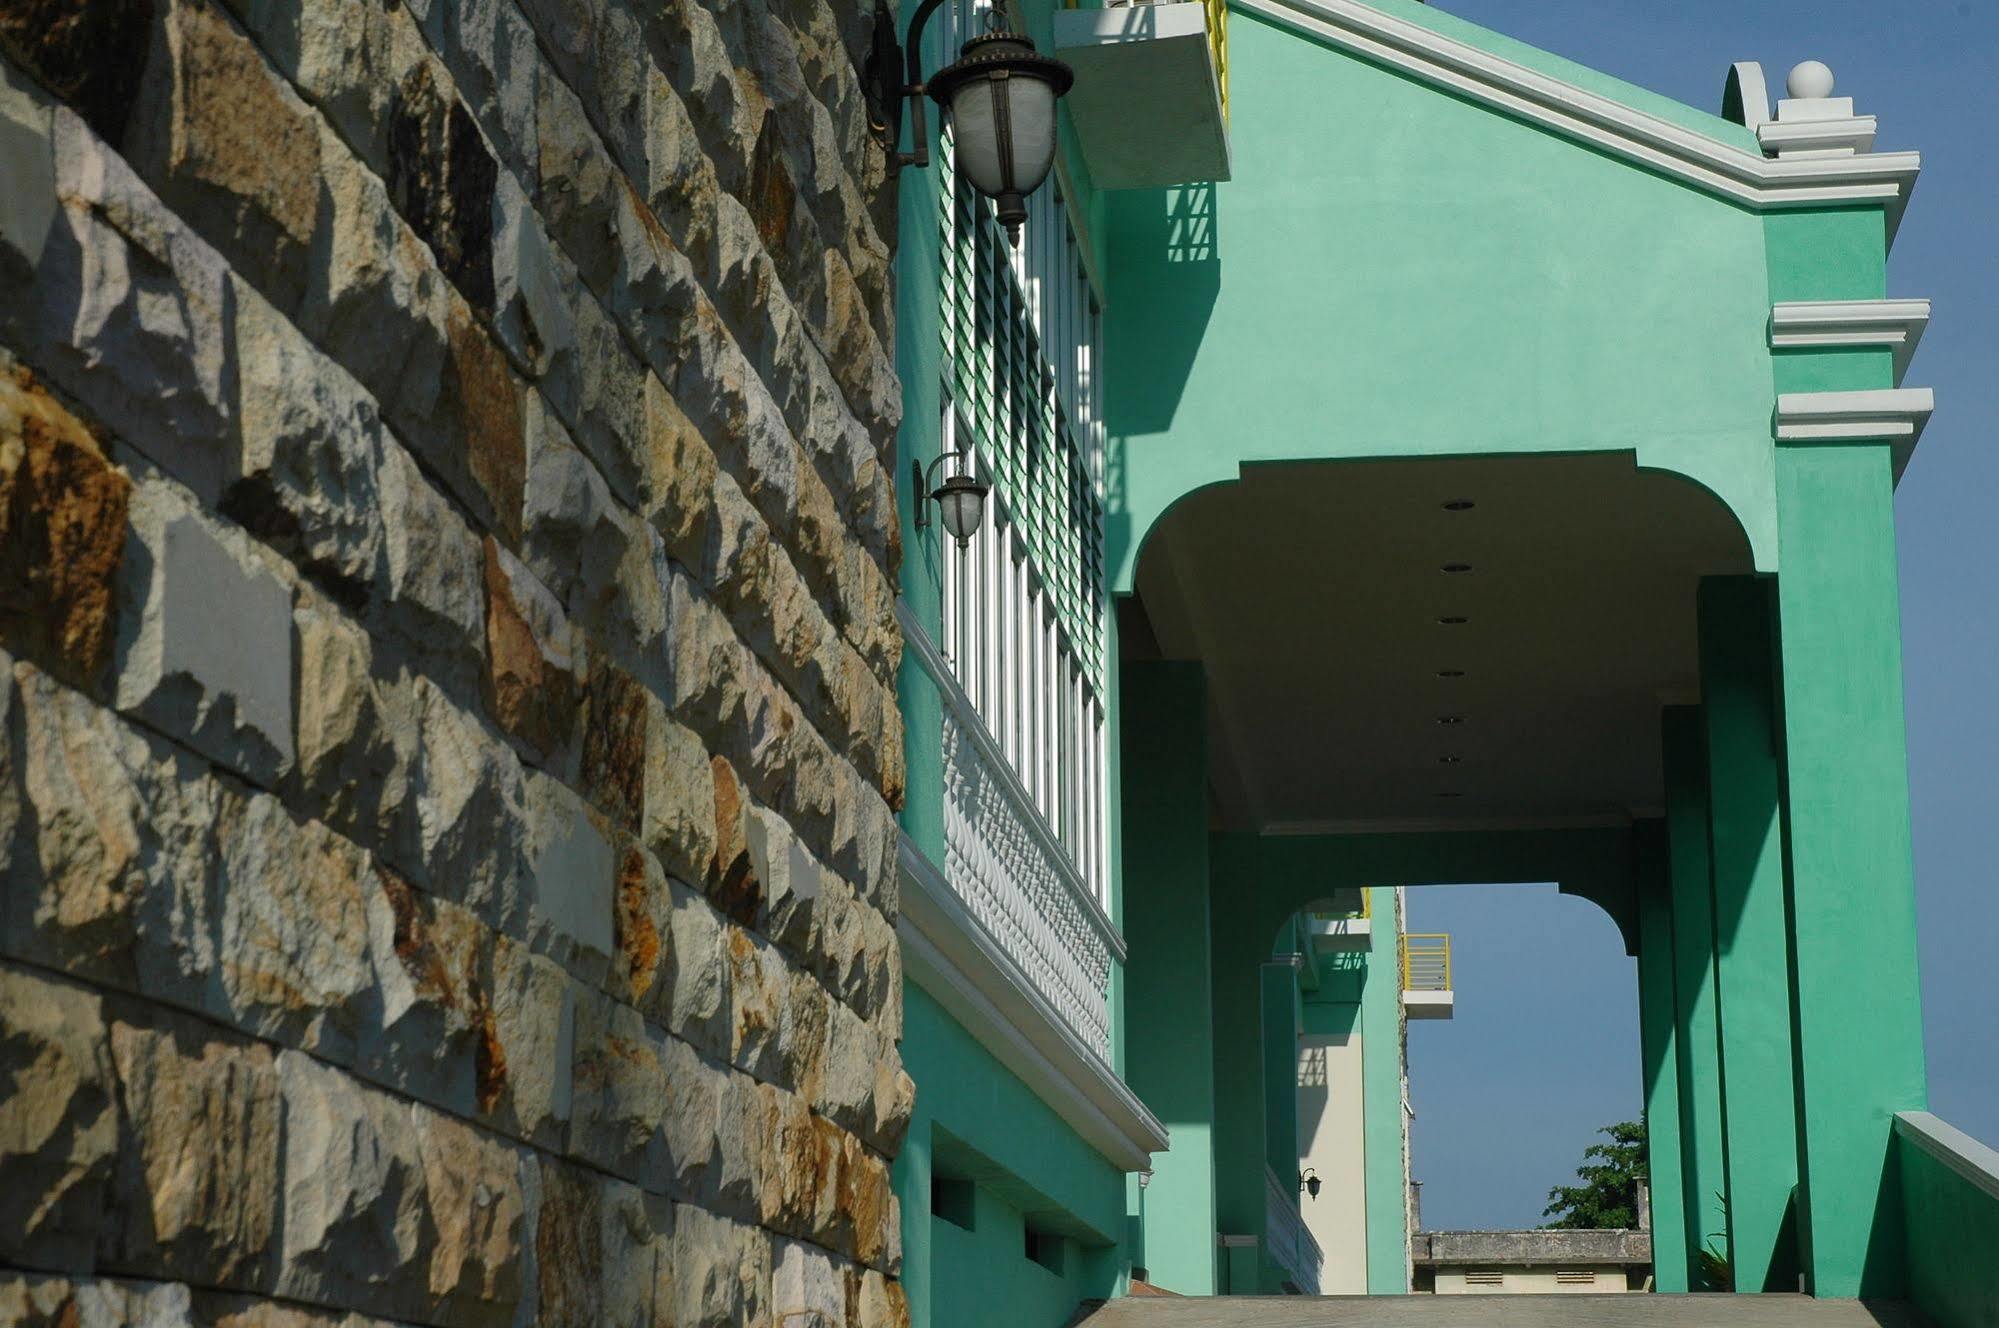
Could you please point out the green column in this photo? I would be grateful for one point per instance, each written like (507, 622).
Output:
(1381, 1057)
(1169, 1054)
(1280, 1069)
(1859, 1026)
(1696, 1037)
(1657, 1039)
(1752, 941)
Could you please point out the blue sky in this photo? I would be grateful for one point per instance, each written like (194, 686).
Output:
(1544, 1046)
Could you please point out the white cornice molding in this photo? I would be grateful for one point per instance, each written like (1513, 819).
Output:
(1891, 325)
(1733, 172)
(951, 955)
(1892, 415)
(938, 669)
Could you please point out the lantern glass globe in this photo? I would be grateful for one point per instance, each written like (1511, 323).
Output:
(961, 506)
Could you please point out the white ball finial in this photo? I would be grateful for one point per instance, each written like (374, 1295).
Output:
(1812, 79)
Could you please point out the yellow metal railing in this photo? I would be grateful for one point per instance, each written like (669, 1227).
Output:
(1426, 961)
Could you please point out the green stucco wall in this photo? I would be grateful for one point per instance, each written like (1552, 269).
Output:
(975, 1120)
(1396, 272)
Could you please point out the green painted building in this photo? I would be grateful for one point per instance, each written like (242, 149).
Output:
(1414, 459)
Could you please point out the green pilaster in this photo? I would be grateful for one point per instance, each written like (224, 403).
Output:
(1745, 844)
(1242, 945)
(1280, 1069)
(1696, 1037)
(1381, 1085)
(1170, 1045)
(1860, 1035)
(1659, 1056)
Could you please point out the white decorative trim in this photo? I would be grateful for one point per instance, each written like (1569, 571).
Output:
(1892, 415)
(1844, 137)
(1952, 1147)
(952, 956)
(1706, 163)
(1745, 98)
(1895, 325)
(938, 669)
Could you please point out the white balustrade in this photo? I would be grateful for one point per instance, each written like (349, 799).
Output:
(1289, 1242)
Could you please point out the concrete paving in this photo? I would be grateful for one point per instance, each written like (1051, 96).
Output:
(1582, 1311)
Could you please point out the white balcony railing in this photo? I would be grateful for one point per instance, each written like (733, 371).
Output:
(1290, 1244)
(1013, 876)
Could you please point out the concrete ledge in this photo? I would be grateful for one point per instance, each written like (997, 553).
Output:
(1952, 1147)
(1532, 1248)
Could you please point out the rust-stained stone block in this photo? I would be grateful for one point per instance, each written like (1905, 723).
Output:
(614, 744)
(532, 684)
(62, 533)
(490, 413)
(58, 1119)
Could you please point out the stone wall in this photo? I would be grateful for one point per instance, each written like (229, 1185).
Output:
(448, 746)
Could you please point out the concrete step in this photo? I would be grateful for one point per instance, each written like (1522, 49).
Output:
(1579, 1311)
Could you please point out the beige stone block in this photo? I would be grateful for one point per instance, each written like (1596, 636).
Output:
(476, 1199)
(203, 1117)
(58, 1119)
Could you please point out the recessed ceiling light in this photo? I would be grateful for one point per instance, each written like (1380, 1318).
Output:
(1450, 795)
(1450, 719)
(1456, 568)
(1459, 505)
(1450, 673)
(1450, 760)
(1452, 621)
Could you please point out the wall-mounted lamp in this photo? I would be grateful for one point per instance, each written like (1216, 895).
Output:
(960, 499)
(1309, 1182)
(1001, 95)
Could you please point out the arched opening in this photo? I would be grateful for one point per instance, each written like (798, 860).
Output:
(1340, 679)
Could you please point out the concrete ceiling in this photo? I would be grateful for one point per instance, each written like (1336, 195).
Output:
(1313, 593)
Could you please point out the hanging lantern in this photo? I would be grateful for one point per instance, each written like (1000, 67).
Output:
(1001, 98)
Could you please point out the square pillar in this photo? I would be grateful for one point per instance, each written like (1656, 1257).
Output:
(1696, 1029)
(1752, 930)
(1859, 1022)
(1657, 1036)
(1169, 1054)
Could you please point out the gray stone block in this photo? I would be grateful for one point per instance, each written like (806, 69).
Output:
(204, 649)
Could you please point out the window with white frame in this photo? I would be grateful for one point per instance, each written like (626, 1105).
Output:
(1025, 606)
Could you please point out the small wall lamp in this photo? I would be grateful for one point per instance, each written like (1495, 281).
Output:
(1001, 95)
(960, 499)
(1309, 1182)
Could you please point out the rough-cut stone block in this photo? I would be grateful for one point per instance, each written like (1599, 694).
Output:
(204, 637)
(806, 1287)
(130, 313)
(471, 808)
(356, 1223)
(357, 735)
(691, 999)
(202, 1113)
(614, 744)
(534, 318)
(435, 577)
(119, 885)
(620, 1089)
(58, 1119)
(604, 1251)
(534, 682)
(721, 1271)
(62, 532)
(310, 447)
(441, 178)
(430, 1021)
(294, 936)
(228, 146)
(477, 1201)
(534, 1024)
(644, 907)
(679, 796)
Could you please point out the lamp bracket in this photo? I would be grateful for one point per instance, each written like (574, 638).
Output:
(894, 74)
(926, 487)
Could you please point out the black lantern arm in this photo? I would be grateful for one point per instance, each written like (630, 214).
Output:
(912, 89)
(928, 491)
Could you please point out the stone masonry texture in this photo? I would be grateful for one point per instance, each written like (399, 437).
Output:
(449, 752)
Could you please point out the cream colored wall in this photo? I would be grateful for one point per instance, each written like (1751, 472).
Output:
(1532, 1282)
(1331, 1141)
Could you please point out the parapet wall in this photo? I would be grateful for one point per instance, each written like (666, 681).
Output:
(448, 745)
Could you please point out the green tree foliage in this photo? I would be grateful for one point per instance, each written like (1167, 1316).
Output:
(1607, 1199)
